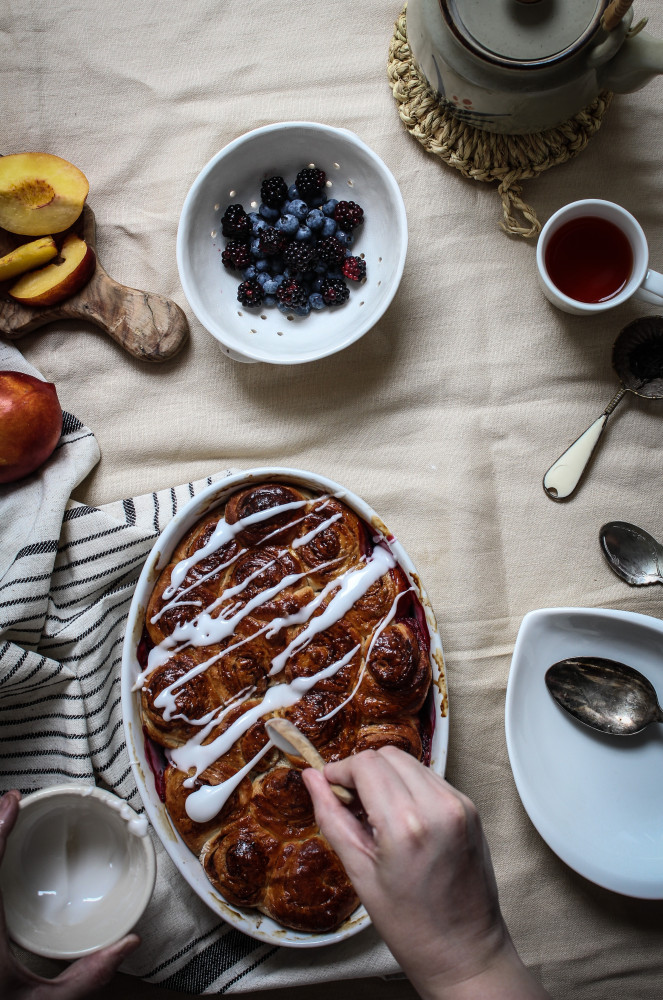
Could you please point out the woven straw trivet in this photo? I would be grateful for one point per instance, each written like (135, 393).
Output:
(481, 155)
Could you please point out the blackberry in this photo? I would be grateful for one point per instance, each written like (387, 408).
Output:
(271, 241)
(330, 250)
(334, 291)
(291, 293)
(273, 191)
(299, 255)
(235, 222)
(310, 181)
(250, 293)
(236, 256)
(349, 215)
(354, 268)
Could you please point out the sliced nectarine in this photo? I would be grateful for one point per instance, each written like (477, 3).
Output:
(27, 257)
(57, 281)
(40, 193)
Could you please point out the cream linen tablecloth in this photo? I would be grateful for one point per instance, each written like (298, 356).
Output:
(444, 417)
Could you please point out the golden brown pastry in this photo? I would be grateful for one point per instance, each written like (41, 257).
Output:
(280, 602)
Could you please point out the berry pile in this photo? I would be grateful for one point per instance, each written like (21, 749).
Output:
(295, 251)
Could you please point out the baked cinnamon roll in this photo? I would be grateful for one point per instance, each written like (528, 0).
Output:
(277, 603)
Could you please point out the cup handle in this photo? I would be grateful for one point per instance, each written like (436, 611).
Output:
(651, 289)
(563, 476)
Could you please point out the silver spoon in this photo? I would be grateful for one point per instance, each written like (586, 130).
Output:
(604, 694)
(632, 553)
(285, 735)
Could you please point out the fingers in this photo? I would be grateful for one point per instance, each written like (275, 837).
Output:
(379, 785)
(92, 972)
(8, 813)
(341, 828)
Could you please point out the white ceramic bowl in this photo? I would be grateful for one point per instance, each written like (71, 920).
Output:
(234, 176)
(78, 871)
(250, 921)
(592, 797)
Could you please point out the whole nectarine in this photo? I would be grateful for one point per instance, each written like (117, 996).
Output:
(30, 424)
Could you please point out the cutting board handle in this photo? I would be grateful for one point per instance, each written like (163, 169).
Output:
(150, 327)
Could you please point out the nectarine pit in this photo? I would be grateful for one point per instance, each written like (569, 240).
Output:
(33, 193)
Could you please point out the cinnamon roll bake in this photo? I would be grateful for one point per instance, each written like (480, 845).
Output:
(281, 602)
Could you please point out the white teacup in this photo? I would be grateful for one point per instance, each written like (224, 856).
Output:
(592, 255)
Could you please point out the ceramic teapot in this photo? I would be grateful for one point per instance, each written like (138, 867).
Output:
(520, 66)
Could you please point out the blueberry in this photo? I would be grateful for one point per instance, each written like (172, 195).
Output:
(329, 228)
(345, 239)
(262, 278)
(262, 265)
(329, 206)
(293, 192)
(315, 219)
(317, 284)
(287, 224)
(302, 310)
(283, 307)
(269, 300)
(255, 248)
(268, 213)
(317, 200)
(334, 272)
(269, 285)
(316, 301)
(249, 272)
(320, 267)
(258, 225)
(303, 234)
(299, 209)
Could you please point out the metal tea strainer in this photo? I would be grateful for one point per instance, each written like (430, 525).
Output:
(637, 357)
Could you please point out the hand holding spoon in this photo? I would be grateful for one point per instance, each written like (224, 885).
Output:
(604, 694)
(632, 553)
(285, 735)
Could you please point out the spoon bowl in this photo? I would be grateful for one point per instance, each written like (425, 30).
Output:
(632, 553)
(604, 694)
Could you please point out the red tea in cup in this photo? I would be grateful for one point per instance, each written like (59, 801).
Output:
(589, 259)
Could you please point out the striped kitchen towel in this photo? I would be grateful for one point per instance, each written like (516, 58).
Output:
(67, 574)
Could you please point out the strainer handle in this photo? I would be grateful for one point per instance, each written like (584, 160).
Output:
(563, 476)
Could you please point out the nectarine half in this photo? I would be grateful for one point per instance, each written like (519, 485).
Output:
(27, 257)
(40, 193)
(57, 281)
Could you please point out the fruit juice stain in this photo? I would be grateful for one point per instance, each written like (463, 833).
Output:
(589, 259)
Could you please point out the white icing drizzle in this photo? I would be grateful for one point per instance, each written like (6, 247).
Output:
(194, 757)
(305, 539)
(203, 805)
(223, 534)
(383, 624)
(202, 808)
(351, 586)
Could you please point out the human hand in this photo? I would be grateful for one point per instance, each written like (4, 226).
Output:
(81, 978)
(422, 868)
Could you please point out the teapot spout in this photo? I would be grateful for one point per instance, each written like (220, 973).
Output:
(638, 61)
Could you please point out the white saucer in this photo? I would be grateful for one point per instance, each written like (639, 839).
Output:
(596, 800)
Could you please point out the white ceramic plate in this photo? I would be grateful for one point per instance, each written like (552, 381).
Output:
(597, 800)
(250, 921)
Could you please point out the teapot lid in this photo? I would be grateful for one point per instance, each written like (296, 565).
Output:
(523, 31)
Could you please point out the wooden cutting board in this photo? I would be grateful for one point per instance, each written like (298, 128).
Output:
(150, 327)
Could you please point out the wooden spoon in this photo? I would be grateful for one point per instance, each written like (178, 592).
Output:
(148, 326)
(285, 735)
